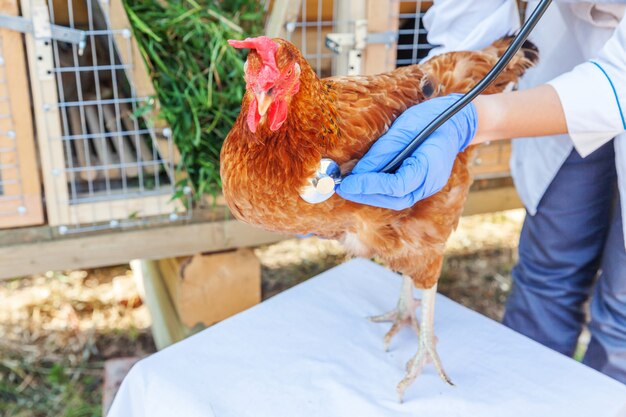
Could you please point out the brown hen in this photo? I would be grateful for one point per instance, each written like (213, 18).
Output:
(290, 119)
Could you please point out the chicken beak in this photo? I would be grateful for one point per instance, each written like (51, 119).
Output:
(264, 101)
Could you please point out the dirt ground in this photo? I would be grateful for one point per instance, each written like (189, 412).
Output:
(57, 329)
(476, 270)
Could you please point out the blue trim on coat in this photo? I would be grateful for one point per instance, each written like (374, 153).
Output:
(621, 113)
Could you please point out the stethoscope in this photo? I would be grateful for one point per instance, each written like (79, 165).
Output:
(328, 176)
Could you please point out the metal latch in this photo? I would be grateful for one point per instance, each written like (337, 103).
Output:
(41, 28)
(354, 43)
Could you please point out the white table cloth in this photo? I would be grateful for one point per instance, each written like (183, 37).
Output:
(310, 352)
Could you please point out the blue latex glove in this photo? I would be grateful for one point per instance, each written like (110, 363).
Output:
(422, 174)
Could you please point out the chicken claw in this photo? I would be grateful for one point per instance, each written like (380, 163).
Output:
(426, 351)
(403, 314)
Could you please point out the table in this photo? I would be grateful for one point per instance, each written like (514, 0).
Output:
(310, 351)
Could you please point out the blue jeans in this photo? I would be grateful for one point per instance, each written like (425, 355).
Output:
(573, 248)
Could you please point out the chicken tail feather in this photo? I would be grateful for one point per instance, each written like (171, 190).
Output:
(528, 49)
(460, 71)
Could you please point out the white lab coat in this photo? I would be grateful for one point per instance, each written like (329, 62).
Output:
(582, 50)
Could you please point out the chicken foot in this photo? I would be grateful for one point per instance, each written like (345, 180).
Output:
(426, 351)
(403, 314)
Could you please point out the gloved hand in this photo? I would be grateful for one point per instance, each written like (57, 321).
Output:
(422, 174)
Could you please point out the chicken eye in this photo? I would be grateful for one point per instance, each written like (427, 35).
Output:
(289, 72)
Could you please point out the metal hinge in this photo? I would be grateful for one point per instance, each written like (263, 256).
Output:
(41, 28)
(354, 43)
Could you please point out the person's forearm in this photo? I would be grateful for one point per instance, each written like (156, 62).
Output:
(533, 112)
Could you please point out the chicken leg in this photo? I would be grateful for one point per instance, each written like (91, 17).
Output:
(403, 314)
(426, 351)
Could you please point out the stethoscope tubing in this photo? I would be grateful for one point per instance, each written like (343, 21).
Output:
(515, 45)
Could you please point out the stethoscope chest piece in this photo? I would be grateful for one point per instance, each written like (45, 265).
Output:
(322, 185)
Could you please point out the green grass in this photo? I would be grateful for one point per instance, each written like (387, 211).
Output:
(198, 78)
(49, 389)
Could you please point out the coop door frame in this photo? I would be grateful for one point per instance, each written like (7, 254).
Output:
(21, 199)
(61, 212)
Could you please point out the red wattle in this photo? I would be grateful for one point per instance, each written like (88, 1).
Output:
(253, 115)
(277, 114)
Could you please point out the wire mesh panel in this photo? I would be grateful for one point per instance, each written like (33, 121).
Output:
(20, 190)
(312, 25)
(491, 160)
(104, 164)
(309, 32)
(306, 23)
(412, 43)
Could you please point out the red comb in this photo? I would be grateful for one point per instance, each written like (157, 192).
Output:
(264, 46)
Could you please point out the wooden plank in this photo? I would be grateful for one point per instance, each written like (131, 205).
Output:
(492, 160)
(80, 14)
(282, 11)
(84, 158)
(411, 6)
(213, 212)
(26, 174)
(312, 9)
(9, 167)
(10, 174)
(346, 13)
(47, 119)
(122, 209)
(143, 151)
(128, 49)
(381, 17)
(166, 326)
(138, 75)
(103, 147)
(171, 271)
(490, 200)
(102, 249)
(208, 288)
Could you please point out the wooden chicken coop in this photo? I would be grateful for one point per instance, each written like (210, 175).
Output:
(101, 165)
(84, 161)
